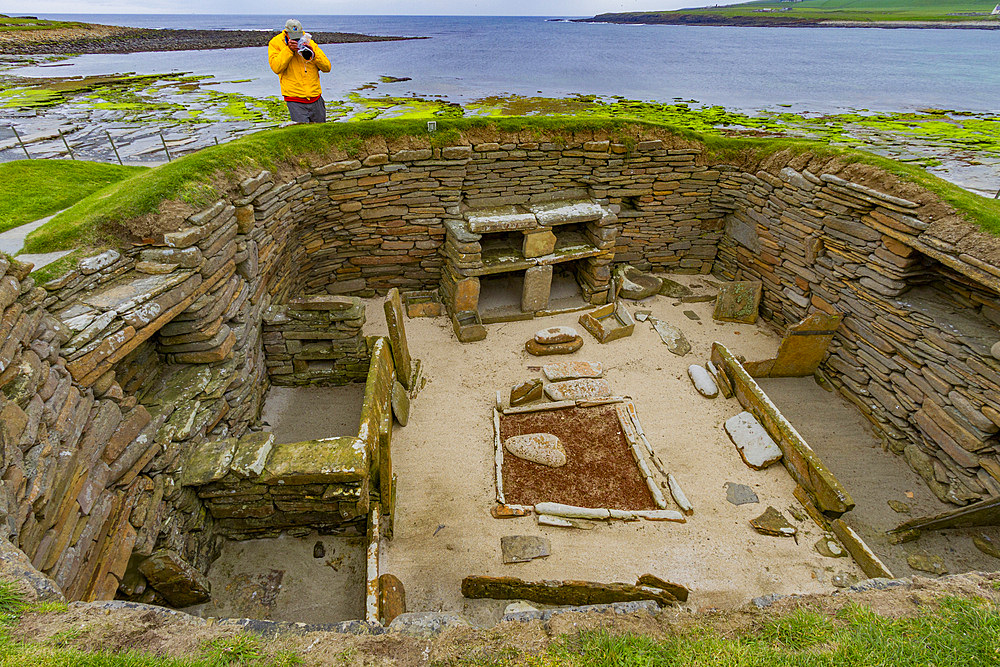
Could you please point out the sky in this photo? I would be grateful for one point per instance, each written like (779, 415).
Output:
(427, 7)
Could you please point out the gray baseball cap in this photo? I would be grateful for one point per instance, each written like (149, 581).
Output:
(294, 28)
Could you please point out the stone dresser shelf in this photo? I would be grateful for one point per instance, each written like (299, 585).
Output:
(503, 257)
(530, 238)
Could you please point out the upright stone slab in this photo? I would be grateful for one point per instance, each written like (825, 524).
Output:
(738, 301)
(538, 244)
(805, 345)
(397, 337)
(537, 285)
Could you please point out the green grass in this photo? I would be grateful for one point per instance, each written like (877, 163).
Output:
(33, 189)
(93, 221)
(842, 10)
(962, 633)
(8, 23)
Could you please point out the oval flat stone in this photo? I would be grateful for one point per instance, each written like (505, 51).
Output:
(572, 370)
(572, 390)
(703, 381)
(752, 440)
(554, 335)
(542, 448)
(533, 347)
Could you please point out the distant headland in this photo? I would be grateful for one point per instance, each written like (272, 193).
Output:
(967, 14)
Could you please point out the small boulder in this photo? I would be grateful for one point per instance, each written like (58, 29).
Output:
(541, 448)
(554, 335)
(508, 512)
(827, 546)
(703, 381)
(672, 337)
(987, 545)
(740, 494)
(519, 607)
(673, 289)
(523, 548)
(898, 506)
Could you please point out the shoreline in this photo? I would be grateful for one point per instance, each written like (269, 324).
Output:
(709, 20)
(98, 39)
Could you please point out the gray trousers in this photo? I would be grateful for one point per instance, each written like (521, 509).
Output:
(314, 112)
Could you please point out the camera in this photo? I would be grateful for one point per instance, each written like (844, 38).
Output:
(304, 47)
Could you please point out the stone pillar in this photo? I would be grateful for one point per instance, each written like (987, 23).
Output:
(537, 284)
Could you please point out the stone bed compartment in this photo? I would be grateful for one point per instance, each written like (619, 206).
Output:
(133, 384)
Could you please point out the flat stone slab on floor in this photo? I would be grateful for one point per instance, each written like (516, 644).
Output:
(752, 440)
(671, 336)
(773, 522)
(523, 548)
(740, 494)
(572, 370)
(573, 390)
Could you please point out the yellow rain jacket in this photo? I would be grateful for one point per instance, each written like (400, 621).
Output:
(299, 78)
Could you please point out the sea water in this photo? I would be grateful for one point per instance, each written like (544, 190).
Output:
(466, 58)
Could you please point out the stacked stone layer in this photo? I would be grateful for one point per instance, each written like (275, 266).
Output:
(316, 340)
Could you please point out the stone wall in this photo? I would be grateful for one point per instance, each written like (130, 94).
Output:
(113, 373)
(316, 339)
(919, 292)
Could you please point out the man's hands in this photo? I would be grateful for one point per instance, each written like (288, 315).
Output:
(293, 45)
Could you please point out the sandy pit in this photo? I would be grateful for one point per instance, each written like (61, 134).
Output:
(289, 579)
(444, 459)
(295, 414)
(843, 439)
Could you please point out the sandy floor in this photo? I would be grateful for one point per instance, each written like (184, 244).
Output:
(444, 460)
(306, 413)
(843, 439)
(281, 579)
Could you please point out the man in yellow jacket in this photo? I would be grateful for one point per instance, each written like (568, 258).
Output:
(297, 61)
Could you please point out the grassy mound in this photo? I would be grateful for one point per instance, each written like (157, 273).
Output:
(33, 189)
(198, 179)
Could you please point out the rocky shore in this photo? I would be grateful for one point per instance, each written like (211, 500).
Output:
(115, 39)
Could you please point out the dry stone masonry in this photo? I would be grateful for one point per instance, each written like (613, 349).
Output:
(132, 385)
